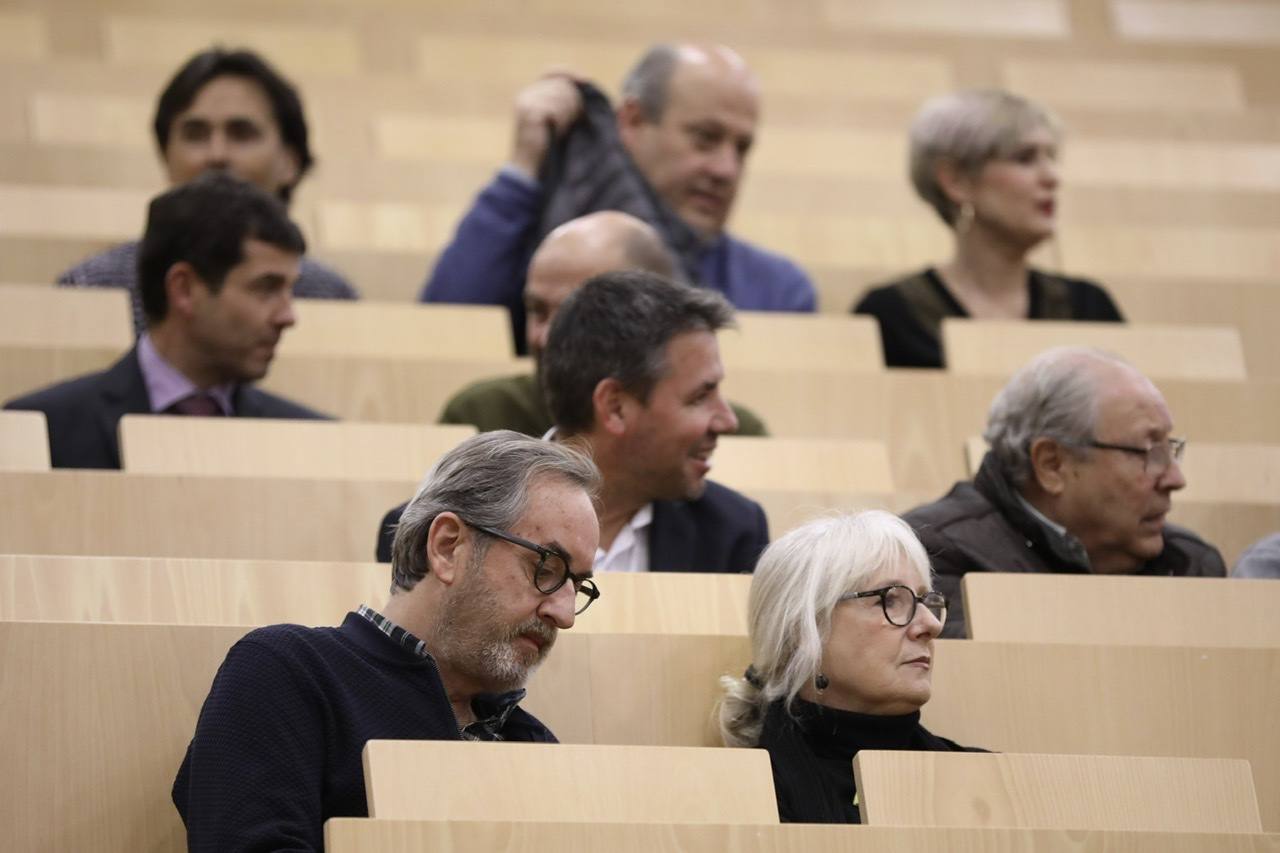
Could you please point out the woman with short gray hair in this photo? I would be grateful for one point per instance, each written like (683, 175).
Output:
(842, 616)
(987, 162)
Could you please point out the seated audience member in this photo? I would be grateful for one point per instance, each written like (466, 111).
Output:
(590, 245)
(230, 111)
(215, 270)
(842, 618)
(1080, 478)
(687, 122)
(1260, 560)
(632, 374)
(492, 559)
(987, 162)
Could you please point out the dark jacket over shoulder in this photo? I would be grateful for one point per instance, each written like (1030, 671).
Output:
(981, 526)
(910, 311)
(84, 413)
(722, 531)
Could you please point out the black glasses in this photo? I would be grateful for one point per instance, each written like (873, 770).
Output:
(552, 571)
(1156, 459)
(899, 603)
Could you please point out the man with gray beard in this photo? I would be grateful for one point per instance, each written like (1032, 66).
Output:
(491, 559)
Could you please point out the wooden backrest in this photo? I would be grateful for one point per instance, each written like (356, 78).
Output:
(1149, 611)
(1000, 347)
(1197, 702)
(398, 330)
(263, 592)
(24, 442)
(851, 466)
(113, 513)
(459, 780)
(1231, 473)
(261, 447)
(97, 730)
(30, 367)
(67, 317)
(785, 341)
(364, 835)
(385, 389)
(903, 788)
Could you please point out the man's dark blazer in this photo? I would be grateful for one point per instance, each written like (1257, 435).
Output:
(722, 531)
(84, 413)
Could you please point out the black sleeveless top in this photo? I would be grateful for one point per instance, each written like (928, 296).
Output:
(910, 311)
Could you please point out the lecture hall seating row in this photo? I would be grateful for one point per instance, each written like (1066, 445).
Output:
(145, 684)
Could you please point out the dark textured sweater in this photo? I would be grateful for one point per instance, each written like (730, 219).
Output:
(277, 748)
(812, 756)
(910, 311)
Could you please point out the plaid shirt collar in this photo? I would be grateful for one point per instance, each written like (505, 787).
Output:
(491, 709)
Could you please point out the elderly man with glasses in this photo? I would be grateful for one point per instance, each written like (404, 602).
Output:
(1079, 478)
(491, 559)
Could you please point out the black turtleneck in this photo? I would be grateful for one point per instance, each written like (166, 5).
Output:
(812, 756)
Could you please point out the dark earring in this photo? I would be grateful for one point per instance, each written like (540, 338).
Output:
(821, 682)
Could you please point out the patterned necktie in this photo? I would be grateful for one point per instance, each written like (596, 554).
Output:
(199, 403)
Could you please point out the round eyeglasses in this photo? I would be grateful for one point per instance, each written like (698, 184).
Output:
(899, 603)
(552, 570)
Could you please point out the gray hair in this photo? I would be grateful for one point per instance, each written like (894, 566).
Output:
(1055, 395)
(617, 325)
(485, 480)
(649, 80)
(968, 129)
(796, 586)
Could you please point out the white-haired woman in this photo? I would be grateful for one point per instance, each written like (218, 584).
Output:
(987, 162)
(842, 618)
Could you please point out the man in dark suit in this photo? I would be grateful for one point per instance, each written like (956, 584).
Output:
(216, 270)
(632, 374)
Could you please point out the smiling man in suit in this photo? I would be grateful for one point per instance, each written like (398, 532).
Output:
(632, 372)
(216, 269)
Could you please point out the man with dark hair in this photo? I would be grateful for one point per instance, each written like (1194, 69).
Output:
(632, 374)
(491, 561)
(225, 110)
(687, 122)
(581, 248)
(1080, 478)
(216, 267)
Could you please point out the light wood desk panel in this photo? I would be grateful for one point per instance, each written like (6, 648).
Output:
(1148, 611)
(112, 513)
(353, 835)
(435, 780)
(904, 788)
(41, 315)
(24, 441)
(184, 591)
(1113, 700)
(1001, 347)
(263, 447)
